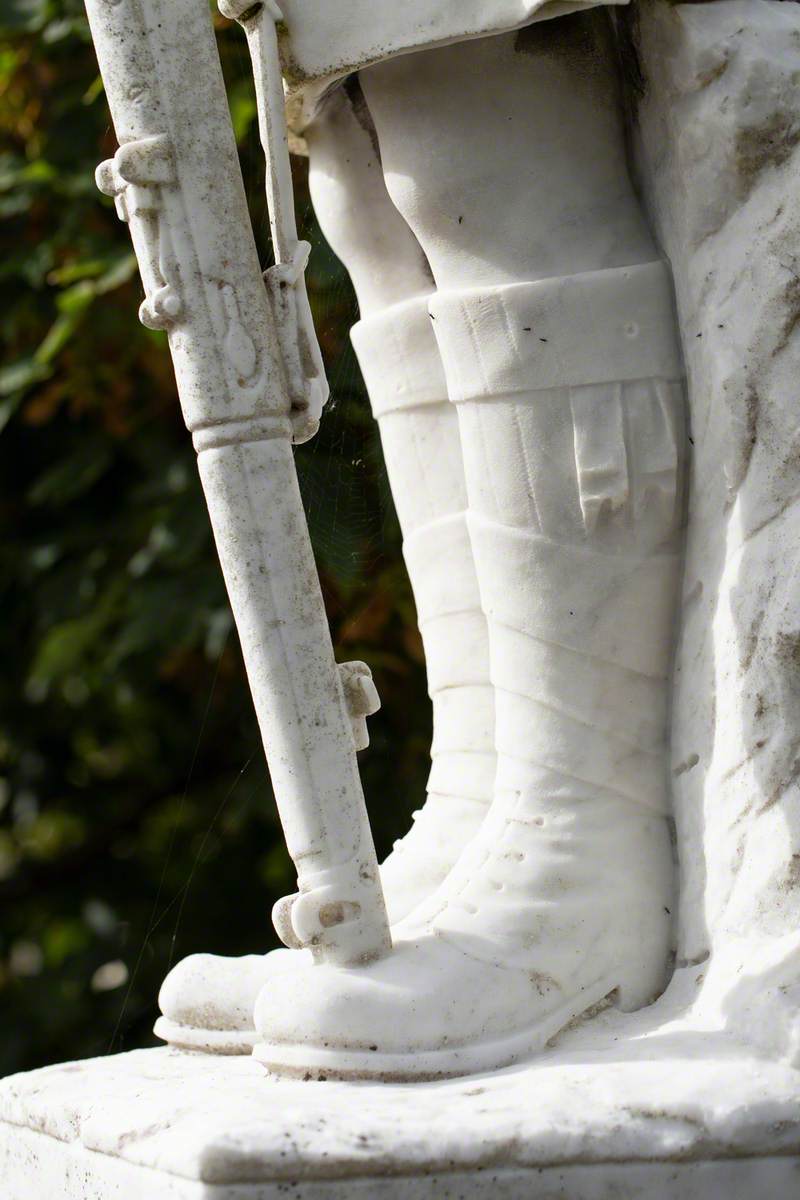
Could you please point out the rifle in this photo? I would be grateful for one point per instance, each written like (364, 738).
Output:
(251, 383)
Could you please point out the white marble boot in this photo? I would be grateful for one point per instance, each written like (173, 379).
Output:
(207, 1000)
(570, 404)
(402, 368)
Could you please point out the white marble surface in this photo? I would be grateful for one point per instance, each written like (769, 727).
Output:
(675, 1100)
(566, 429)
(718, 126)
(651, 1104)
(251, 384)
(321, 41)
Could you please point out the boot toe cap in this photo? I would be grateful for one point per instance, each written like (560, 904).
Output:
(208, 991)
(423, 998)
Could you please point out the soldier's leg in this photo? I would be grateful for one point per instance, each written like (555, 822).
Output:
(506, 155)
(420, 436)
(554, 319)
(208, 999)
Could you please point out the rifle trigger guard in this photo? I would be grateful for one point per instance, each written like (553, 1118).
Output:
(310, 918)
(282, 920)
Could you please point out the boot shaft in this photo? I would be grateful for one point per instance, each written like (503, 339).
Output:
(419, 430)
(569, 396)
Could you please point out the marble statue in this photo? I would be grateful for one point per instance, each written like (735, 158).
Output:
(527, 378)
(176, 182)
(596, 474)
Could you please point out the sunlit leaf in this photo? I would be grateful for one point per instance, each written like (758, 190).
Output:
(73, 475)
(23, 15)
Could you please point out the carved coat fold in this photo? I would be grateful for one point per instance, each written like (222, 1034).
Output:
(322, 40)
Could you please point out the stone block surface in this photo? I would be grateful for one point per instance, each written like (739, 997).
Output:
(652, 1104)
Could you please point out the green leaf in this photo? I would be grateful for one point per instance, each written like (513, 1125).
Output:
(57, 336)
(16, 173)
(94, 90)
(19, 376)
(71, 272)
(71, 646)
(120, 271)
(8, 408)
(242, 104)
(65, 647)
(72, 476)
(23, 15)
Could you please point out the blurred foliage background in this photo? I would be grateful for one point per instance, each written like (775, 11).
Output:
(137, 823)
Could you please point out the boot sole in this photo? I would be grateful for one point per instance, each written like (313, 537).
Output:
(317, 1062)
(211, 1041)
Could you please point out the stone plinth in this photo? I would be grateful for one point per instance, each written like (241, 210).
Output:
(654, 1105)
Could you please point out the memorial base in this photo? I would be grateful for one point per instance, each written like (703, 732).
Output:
(652, 1105)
